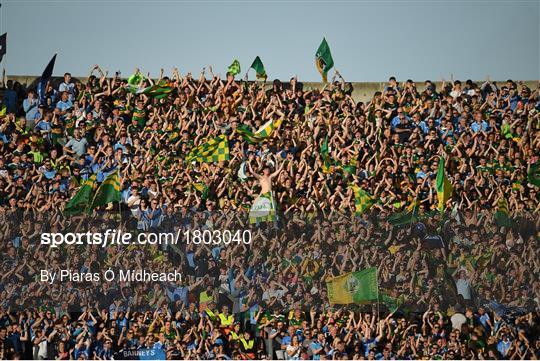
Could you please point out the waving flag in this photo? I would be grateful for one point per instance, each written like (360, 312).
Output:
(323, 59)
(327, 166)
(262, 133)
(259, 69)
(355, 287)
(159, 90)
(45, 77)
(263, 209)
(134, 82)
(108, 191)
(444, 187)
(502, 216)
(234, 68)
(214, 150)
(81, 200)
(362, 200)
(408, 216)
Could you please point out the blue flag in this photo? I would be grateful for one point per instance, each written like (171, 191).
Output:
(45, 77)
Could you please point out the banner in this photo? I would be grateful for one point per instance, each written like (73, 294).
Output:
(263, 209)
(354, 287)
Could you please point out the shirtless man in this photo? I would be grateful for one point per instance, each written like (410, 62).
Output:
(265, 180)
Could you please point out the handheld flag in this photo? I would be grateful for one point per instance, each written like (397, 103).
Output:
(502, 216)
(158, 91)
(203, 188)
(108, 191)
(323, 59)
(234, 68)
(408, 216)
(327, 165)
(258, 66)
(214, 150)
(262, 133)
(134, 82)
(45, 77)
(3, 46)
(362, 200)
(354, 287)
(81, 200)
(444, 187)
(135, 79)
(263, 209)
(390, 302)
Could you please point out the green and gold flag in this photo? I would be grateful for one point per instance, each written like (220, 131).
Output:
(159, 90)
(355, 287)
(362, 200)
(234, 68)
(502, 216)
(327, 166)
(263, 209)
(348, 168)
(259, 69)
(214, 150)
(81, 200)
(262, 133)
(108, 191)
(323, 59)
(444, 187)
(391, 303)
(408, 216)
(203, 188)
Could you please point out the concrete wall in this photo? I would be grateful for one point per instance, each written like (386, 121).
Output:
(363, 91)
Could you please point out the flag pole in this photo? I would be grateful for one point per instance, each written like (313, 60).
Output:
(120, 203)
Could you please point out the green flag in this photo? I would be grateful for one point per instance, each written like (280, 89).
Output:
(263, 209)
(134, 81)
(444, 187)
(534, 174)
(327, 165)
(81, 200)
(262, 133)
(391, 303)
(159, 90)
(234, 68)
(408, 216)
(354, 287)
(502, 216)
(362, 200)
(214, 150)
(203, 188)
(259, 68)
(323, 59)
(108, 191)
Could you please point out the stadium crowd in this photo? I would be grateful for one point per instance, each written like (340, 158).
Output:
(453, 285)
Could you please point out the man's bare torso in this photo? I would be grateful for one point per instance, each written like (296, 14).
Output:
(266, 183)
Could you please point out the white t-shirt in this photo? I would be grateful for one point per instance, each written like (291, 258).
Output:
(464, 288)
